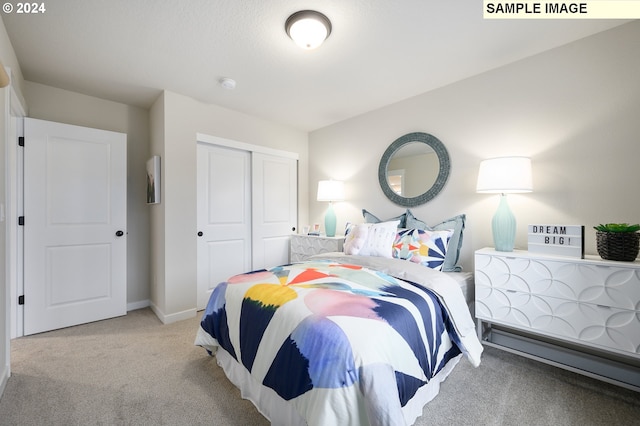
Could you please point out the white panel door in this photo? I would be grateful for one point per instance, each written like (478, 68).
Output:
(224, 216)
(75, 192)
(275, 208)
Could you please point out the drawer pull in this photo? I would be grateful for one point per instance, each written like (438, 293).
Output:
(511, 291)
(603, 306)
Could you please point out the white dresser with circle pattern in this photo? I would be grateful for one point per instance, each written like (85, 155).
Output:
(581, 314)
(304, 246)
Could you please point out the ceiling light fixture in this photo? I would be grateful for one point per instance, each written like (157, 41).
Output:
(308, 28)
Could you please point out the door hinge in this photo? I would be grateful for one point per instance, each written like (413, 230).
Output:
(20, 140)
(21, 221)
(21, 300)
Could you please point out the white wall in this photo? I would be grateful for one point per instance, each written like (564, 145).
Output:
(175, 121)
(574, 110)
(49, 103)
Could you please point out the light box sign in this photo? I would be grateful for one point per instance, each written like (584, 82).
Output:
(558, 240)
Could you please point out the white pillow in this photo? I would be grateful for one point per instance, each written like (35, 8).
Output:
(356, 237)
(380, 238)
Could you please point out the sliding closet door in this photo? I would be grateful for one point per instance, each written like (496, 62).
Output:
(224, 216)
(247, 211)
(275, 208)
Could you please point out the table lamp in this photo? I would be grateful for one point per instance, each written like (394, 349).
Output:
(504, 175)
(330, 190)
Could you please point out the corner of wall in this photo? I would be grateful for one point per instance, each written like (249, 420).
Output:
(171, 318)
(156, 220)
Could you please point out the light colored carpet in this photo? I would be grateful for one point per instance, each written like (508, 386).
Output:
(133, 370)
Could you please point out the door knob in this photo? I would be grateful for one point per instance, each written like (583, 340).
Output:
(119, 234)
(200, 234)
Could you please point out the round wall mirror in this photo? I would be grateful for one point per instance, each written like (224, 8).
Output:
(414, 169)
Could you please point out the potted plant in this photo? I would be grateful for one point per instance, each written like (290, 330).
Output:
(618, 241)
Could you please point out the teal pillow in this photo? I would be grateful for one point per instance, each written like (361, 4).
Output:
(455, 243)
(370, 218)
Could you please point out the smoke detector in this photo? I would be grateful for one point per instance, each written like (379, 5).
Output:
(227, 83)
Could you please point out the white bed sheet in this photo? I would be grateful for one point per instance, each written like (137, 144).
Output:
(467, 284)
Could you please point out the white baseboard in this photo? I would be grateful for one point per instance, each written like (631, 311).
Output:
(4, 377)
(171, 318)
(138, 305)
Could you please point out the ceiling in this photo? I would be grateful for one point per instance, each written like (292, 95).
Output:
(377, 54)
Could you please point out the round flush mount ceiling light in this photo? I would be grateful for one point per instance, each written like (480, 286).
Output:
(227, 83)
(308, 28)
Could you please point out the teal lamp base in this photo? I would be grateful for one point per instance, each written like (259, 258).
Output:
(330, 221)
(503, 226)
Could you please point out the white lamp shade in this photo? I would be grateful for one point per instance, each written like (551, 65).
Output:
(308, 33)
(505, 175)
(330, 190)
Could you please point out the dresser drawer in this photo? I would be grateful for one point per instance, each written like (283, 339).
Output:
(594, 325)
(579, 314)
(598, 283)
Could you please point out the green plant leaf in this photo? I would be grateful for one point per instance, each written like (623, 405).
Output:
(617, 227)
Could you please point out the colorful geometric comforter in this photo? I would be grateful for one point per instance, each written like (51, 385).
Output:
(342, 343)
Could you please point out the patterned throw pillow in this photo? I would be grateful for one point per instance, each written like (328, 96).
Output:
(457, 224)
(380, 239)
(356, 237)
(371, 239)
(427, 248)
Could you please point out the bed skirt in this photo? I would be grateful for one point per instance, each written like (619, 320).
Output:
(280, 412)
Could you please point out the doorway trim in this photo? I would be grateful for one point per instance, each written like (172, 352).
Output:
(16, 110)
(215, 140)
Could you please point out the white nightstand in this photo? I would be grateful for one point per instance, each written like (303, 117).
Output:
(579, 314)
(304, 246)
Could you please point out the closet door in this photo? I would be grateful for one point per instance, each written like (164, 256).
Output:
(224, 216)
(75, 228)
(274, 208)
(247, 211)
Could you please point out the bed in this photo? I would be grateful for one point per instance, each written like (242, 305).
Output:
(361, 337)
(363, 364)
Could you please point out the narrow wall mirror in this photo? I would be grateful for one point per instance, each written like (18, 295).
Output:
(414, 169)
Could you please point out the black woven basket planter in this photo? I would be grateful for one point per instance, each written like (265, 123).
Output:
(622, 246)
